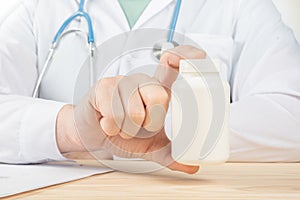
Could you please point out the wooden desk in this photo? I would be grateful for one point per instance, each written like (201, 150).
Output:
(229, 181)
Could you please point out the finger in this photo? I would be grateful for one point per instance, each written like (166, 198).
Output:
(125, 135)
(160, 152)
(170, 163)
(109, 126)
(183, 168)
(167, 70)
(133, 107)
(164, 158)
(110, 106)
(156, 100)
(173, 56)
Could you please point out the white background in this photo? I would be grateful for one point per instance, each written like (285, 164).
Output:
(290, 10)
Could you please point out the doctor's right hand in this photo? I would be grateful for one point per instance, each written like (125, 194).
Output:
(123, 116)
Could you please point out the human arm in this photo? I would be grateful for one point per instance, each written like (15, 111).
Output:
(27, 127)
(265, 112)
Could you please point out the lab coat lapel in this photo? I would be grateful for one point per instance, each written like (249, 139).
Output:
(154, 7)
(114, 9)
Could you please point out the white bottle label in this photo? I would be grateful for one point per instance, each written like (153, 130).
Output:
(200, 114)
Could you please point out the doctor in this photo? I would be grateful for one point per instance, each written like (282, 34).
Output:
(260, 55)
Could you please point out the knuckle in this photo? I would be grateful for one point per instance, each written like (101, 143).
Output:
(103, 82)
(102, 85)
(126, 81)
(139, 77)
(109, 82)
(158, 96)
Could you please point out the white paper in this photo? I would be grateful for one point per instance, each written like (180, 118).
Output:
(16, 179)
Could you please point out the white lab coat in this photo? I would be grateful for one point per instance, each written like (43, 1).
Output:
(260, 54)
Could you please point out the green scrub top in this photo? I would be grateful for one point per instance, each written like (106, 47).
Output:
(133, 9)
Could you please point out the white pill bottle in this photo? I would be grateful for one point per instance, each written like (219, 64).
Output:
(200, 114)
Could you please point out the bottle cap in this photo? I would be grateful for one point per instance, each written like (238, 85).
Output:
(200, 65)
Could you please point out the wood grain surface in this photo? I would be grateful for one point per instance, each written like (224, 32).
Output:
(228, 181)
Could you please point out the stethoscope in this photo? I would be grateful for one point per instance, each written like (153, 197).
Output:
(158, 48)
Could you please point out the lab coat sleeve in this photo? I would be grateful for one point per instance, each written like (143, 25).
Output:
(265, 113)
(27, 125)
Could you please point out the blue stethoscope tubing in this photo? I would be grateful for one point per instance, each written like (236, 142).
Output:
(91, 40)
(79, 13)
(174, 21)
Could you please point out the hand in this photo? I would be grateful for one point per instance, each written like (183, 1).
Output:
(123, 116)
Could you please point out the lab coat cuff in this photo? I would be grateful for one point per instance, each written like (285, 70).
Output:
(38, 132)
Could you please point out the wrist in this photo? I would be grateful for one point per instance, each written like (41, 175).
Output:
(66, 134)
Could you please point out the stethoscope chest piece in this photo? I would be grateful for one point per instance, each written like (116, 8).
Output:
(160, 47)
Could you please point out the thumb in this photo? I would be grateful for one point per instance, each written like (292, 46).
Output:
(163, 157)
(167, 70)
(176, 166)
(189, 169)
